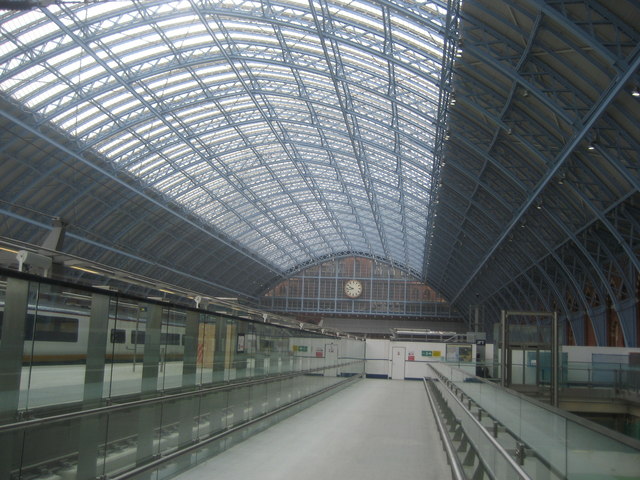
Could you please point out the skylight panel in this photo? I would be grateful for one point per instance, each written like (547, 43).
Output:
(363, 21)
(17, 23)
(186, 42)
(183, 28)
(46, 94)
(129, 104)
(408, 28)
(100, 9)
(133, 38)
(170, 183)
(162, 81)
(147, 53)
(156, 131)
(123, 146)
(151, 164)
(37, 34)
(90, 123)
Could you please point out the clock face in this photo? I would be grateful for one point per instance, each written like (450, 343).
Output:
(352, 288)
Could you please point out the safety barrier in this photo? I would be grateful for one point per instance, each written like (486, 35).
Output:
(171, 432)
(499, 433)
(473, 451)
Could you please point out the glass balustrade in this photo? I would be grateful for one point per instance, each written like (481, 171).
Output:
(570, 446)
(94, 383)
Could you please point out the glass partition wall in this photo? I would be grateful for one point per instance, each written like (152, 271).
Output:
(93, 383)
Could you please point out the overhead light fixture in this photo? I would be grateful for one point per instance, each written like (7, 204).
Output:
(87, 270)
(635, 91)
(561, 178)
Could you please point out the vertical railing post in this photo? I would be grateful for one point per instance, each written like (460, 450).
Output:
(503, 348)
(555, 364)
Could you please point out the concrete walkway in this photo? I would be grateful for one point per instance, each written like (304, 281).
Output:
(373, 430)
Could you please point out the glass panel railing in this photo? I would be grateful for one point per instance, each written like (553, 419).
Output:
(593, 455)
(479, 453)
(129, 380)
(571, 447)
(619, 376)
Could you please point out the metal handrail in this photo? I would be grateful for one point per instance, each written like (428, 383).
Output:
(612, 434)
(499, 448)
(454, 462)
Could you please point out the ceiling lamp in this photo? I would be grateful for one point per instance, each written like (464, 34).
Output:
(561, 178)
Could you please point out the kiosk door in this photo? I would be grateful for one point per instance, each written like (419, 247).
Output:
(398, 355)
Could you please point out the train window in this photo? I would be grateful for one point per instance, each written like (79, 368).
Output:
(118, 336)
(137, 337)
(169, 339)
(51, 329)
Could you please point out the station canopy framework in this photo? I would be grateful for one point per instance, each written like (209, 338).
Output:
(489, 148)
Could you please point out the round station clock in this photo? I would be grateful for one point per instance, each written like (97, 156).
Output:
(352, 288)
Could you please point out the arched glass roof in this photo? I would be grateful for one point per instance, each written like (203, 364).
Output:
(296, 129)
(223, 146)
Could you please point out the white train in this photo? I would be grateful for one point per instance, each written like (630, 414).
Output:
(60, 335)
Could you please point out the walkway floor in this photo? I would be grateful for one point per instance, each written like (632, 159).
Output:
(373, 430)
